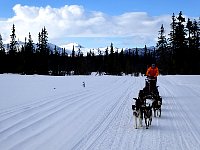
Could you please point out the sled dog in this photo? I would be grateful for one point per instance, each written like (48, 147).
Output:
(137, 117)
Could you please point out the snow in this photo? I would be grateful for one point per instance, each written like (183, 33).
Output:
(58, 113)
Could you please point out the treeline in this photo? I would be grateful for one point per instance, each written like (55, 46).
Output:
(40, 59)
(177, 54)
(180, 52)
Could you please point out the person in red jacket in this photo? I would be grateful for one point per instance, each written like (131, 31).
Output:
(152, 71)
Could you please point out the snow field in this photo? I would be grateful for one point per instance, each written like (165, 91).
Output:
(58, 113)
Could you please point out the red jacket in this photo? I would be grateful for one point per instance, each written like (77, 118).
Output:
(152, 72)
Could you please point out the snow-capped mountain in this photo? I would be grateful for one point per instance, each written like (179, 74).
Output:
(77, 47)
(20, 44)
(69, 47)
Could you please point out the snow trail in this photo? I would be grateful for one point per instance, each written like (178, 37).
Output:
(99, 116)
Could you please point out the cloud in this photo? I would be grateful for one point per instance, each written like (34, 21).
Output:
(75, 21)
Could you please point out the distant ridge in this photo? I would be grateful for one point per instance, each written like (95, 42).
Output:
(69, 46)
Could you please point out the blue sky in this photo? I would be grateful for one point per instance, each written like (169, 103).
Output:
(154, 12)
(113, 7)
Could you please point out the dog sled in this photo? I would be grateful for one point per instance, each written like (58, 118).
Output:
(151, 87)
(147, 104)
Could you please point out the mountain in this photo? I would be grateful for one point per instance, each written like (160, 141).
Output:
(69, 47)
(20, 44)
(141, 51)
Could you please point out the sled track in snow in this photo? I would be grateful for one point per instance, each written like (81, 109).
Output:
(34, 116)
(105, 122)
(116, 128)
(101, 119)
(179, 122)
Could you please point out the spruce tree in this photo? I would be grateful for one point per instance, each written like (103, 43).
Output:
(181, 56)
(111, 59)
(13, 42)
(189, 30)
(44, 41)
(2, 56)
(30, 46)
(43, 52)
(2, 49)
(163, 55)
(29, 58)
(194, 48)
(12, 57)
(172, 33)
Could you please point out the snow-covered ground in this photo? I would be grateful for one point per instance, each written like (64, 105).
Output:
(58, 113)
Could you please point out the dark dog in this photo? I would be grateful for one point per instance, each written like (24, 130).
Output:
(148, 113)
(137, 112)
(157, 106)
(148, 116)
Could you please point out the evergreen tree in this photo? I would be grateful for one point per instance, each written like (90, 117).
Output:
(179, 38)
(2, 49)
(172, 33)
(44, 41)
(13, 42)
(111, 49)
(171, 44)
(111, 59)
(145, 60)
(180, 45)
(194, 48)
(2, 56)
(73, 52)
(43, 52)
(73, 60)
(30, 59)
(189, 29)
(29, 45)
(55, 66)
(195, 35)
(13, 58)
(39, 44)
(121, 61)
(163, 55)
(106, 59)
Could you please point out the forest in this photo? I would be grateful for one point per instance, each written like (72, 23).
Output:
(177, 52)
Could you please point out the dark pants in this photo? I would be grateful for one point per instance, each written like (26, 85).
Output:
(151, 83)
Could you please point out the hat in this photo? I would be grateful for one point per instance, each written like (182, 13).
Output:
(153, 65)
